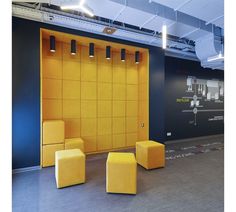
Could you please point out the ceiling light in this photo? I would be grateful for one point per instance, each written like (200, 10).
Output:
(52, 43)
(137, 57)
(73, 47)
(164, 36)
(122, 55)
(108, 52)
(81, 6)
(216, 57)
(91, 49)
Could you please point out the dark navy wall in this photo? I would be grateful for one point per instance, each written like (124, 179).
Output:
(185, 124)
(25, 94)
(156, 95)
(26, 88)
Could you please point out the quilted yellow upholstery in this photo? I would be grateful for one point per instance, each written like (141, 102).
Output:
(69, 167)
(150, 154)
(121, 173)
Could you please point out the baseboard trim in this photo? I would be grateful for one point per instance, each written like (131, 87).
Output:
(26, 169)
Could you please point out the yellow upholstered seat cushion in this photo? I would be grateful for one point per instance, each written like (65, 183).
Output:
(150, 154)
(74, 143)
(121, 173)
(69, 167)
(48, 155)
(53, 132)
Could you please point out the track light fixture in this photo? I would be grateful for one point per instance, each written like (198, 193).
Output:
(137, 57)
(52, 43)
(91, 49)
(73, 47)
(122, 55)
(108, 52)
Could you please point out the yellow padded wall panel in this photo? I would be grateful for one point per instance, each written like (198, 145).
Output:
(119, 92)
(90, 143)
(104, 126)
(49, 153)
(88, 127)
(88, 72)
(53, 132)
(118, 109)
(71, 108)
(71, 89)
(71, 70)
(88, 109)
(72, 128)
(104, 73)
(52, 109)
(104, 108)
(104, 142)
(131, 124)
(104, 91)
(118, 125)
(101, 57)
(132, 92)
(131, 139)
(52, 68)
(118, 140)
(119, 75)
(88, 90)
(132, 75)
(131, 108)
(52, 88)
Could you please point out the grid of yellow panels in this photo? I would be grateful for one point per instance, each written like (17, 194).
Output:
(105, 102)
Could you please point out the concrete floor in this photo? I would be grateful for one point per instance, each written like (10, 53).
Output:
(194, 183)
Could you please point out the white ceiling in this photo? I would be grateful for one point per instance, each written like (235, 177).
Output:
(206, 10)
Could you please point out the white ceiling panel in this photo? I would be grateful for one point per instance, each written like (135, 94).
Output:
(206, 10)
(133, 16)
(105, 8)
(156, 23)
(179, 29)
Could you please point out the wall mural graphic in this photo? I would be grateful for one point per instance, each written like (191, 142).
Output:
(202, 90)
(194, 99)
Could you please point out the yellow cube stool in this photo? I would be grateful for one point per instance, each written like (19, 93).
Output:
(69, 167)
(121, 173)
(74, 143)
(53, 132)
(150, 154)
(48, 158)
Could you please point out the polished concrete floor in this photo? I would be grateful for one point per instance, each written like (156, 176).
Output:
(192, 181)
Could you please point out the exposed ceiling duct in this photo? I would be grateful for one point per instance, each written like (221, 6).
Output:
(207, 47)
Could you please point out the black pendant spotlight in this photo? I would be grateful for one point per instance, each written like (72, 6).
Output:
(52, 43)
(91, 49)
(137, 57)
(122, 55)
(108, 52)
(73, 47)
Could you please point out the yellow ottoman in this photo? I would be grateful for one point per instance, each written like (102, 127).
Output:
(69, 167)
(150, 154)
(121, 173)
(74, 143)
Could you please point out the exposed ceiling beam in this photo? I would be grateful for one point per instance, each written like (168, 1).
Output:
(182, 5)
(189, 33)
(147, 21)
(214, 19)
(170, 14)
